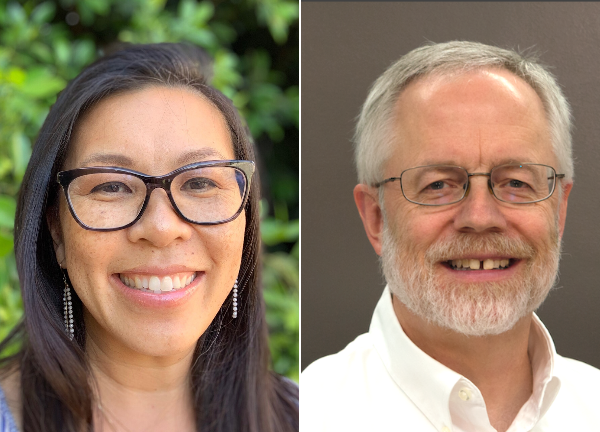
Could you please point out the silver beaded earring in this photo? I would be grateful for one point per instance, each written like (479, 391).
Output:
(235, 297)
(68, 308)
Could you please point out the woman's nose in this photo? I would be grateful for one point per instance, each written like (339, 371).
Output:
(160, 224)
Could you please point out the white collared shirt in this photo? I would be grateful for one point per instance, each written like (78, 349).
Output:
(383, 382)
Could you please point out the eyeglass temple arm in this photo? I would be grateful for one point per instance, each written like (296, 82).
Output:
(381, 183)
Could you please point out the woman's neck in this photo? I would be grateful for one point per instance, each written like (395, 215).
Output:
(138, 392)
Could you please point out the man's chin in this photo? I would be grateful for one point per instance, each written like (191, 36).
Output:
(474, 309)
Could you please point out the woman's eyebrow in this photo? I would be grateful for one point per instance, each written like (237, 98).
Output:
(126, 162)
(207, 153)
(108, 159)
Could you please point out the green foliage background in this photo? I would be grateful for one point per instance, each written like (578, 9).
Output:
(44, 44)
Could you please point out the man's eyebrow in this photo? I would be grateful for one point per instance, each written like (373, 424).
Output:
(494, 163)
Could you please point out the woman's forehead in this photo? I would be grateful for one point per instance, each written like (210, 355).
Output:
(153, 129)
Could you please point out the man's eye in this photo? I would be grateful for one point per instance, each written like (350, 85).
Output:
(517, 184)
(437, 185)
(111, 188)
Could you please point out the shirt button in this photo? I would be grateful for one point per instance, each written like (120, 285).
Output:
(464, 393)
(445, 429)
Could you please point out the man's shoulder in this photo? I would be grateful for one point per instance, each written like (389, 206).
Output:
(577, 375)
(353, 391)
(335, 368)
(577, 402)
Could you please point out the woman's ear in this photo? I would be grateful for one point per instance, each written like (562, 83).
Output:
(53, 221)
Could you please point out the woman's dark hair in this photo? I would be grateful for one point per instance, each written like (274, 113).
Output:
(233, 388)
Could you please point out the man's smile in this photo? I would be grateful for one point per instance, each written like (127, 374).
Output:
(480, 264)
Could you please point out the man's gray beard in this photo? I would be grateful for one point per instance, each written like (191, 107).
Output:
(474, 309)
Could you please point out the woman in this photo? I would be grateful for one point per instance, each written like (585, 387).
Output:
(137, 246)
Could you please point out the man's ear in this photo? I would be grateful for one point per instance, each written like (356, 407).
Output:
(367, 202)
(53, 221)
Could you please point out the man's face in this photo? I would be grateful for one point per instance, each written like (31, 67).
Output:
(476, 120)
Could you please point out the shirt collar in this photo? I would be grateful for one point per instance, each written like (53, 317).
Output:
(429, 384)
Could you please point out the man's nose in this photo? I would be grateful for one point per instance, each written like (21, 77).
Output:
(479, 211)
(160, 224)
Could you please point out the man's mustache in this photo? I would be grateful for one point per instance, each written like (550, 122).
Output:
(467, 245)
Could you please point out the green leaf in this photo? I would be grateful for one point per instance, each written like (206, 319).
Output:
(275, 231)
(204, 12)
(6, 244)
(43, 13)
(101, 7)
(83, 52)
(8, 207)
(187, 9)
(41, 83)
(21, 152)
(62, 51)
(15, 13)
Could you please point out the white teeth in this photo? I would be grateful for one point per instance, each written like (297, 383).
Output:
(166, 284)
(475, 264)
(154, 284)
(157, 284)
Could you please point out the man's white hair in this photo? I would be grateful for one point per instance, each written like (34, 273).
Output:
(373, 137)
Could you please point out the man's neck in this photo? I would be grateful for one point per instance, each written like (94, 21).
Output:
(498, 365)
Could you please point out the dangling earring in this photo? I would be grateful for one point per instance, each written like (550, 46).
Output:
(68, 308)
(235, 293)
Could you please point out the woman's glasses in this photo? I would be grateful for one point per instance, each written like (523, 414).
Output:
(436, 185)
(203, 193)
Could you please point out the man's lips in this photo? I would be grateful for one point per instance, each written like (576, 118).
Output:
(482, 274)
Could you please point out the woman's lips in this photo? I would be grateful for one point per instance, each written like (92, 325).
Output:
(147, 298)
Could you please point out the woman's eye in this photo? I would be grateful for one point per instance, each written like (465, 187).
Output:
(111, 188)
(199, 184)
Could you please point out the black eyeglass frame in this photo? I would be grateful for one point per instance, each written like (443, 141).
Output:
(468, 184)
(64, 178)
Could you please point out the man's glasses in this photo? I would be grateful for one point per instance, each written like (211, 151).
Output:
(436, 185)
(204, 193)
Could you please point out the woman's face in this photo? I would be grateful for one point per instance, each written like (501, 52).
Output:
(154, 131)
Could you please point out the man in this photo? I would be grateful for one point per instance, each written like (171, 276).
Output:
(464, 159)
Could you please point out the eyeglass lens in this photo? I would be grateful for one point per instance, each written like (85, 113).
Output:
(202, 195)
(439, 185)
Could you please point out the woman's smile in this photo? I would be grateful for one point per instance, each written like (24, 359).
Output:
(157, 284)
(157, 298)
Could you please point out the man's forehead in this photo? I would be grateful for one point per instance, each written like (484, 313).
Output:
(490, 115)
(457, 87)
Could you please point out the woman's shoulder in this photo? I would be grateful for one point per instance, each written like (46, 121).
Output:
(9, 401)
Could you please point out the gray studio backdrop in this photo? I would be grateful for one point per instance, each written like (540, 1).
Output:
(345, 47)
